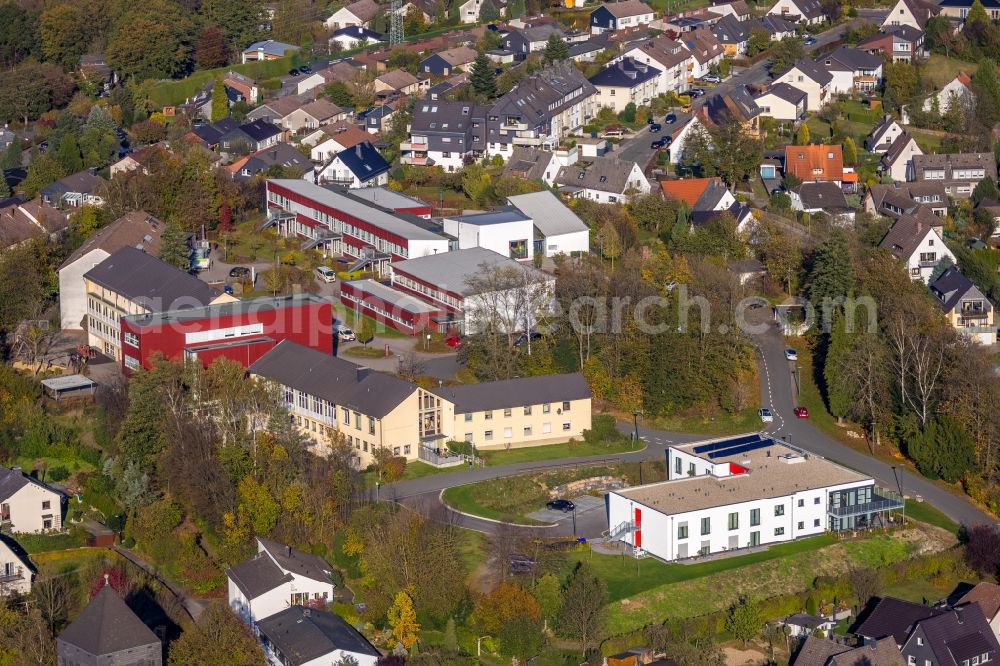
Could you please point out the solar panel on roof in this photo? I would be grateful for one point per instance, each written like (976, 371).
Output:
(727, 443)
(741, 449)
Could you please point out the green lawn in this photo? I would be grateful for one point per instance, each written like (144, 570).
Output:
(364, 352)
(721, 423)
(416, 470)
(926, 513)
(463, 499)
(941, 69)
(555, 451)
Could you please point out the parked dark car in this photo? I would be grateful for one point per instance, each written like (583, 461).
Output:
(809, 41)
(671, 118)
(655, 127)
(521, 563)
(239, 272)
(563, 505)
(306, 69)
(656, 145)
(649, 121)
(293, 71)
(523, 338)
(696, 92)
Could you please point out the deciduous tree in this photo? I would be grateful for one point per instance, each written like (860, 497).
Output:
(403, 620)
(744, 620)
(581, 615)
(218, 631)
(210, 49)
(62, 36)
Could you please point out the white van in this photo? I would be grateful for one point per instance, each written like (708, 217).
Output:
(326, 274)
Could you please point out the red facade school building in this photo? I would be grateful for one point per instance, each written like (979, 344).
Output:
(240, 331)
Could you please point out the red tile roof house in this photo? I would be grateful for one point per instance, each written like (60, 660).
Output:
(815, 163)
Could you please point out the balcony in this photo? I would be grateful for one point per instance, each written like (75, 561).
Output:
(526, 141)
(420, 146)
(886, 501)
(11, 577)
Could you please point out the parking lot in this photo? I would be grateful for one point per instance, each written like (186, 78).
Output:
(584, 504)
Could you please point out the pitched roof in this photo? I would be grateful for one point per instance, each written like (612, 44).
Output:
(458, 56)
(551, 216)
(881, 127)
(772, 24)
(626, 73)
(882, 652)
(322, 109)
(398, 79)
(987, 595)
(737, 104)
(271, 47)
(922, 11)
(605, 174)
(958, 635)
(815, 162)
(106, 625)
(688, 190)
(137, 229)
(365, 10)
(303, 635)
(260, 130)
(950, 288)
(296, 561)
(905, 235)
(335, 380)
(144, 279)
(257, 576)
(893, 617)
(784, 91)
(505, 394)
(364, 161)
(817, 651)
(851, 59)
(730, 30)
(823, 195)
(359, 33)
(702, 44)
(527, 163)
(814, 71)
(11, 481)
(83, 182)
(898, 146)
(663, 50)
(346, 134)
(627, 8)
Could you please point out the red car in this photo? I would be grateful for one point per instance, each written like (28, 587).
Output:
(802, 412)
(453, 341)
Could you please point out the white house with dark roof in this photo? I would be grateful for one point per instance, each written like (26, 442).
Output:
(782, 101)
(812, 79)
(507, 231)
(852, 70)
(626, 82)
(897, 199)
(898, 158)
(26, 504)
(912, 13)
(603, 179)
(808, 12)
(16, 571)
(358, 13)
(957, 637)
(823, 197)
(883, 134)
(958, 172)
(918, 245)
(965, 307)
(669, 56)
(361, 165)
(299, 636)
(355, 36)
(276, 578)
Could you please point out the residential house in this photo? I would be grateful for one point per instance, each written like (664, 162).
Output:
(376, 119)
(959, 9)
(209, 135)
(733, 34)
(341, 70)
(603, 179)
(626, 82)
(243, 85)
(279, 155)
(959, 172)
(910, 13)
(541, 110)
(967, 309)
(267, 50)
(954, 638)
(957, 91)
(249, 137)
(84, 188)
(277, 577)
(26, 504)
(131, 282)
(446, 134)
(901, 43)
(883, 134)
(853, 70)
(397, 81)
(558, 230)
(782, 101)
(825, 652)
(900, 199)
(667, 55)
(747, 271)
(523, 41)
(811, 78)
(808, 12)
(706, 52)
(585, 51)
(708, 199)
(313, 115)
(736, 106)
(276, 109)
(775, 26)
(987, 596)
(6, 138)
(738, 9)
(16, 571)
(300, 636)
(137, 229)
(534, 164)
(331, 139)
(469, 10)
(107, 631)
(815, 163)
(20, 221)
(686, 126)
(613, 16)
(822, 197)
(359, 13)
(138, 160)
(918, 244)
(448, 62)
(353, 37)
(359, 166)
(428, 8)
(680, 24)
(94, 70)
(804, 624)
(898, 158)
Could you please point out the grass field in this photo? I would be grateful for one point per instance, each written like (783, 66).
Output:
(721, 423)
(465, 499)
(360, 351)
(926, 513)
(555, 451)
(941, 69)
(170, 92)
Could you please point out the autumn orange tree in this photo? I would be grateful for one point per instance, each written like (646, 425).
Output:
(511, 614)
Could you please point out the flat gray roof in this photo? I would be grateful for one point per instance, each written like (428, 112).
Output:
(226, 309)
(500, 216)
(358, 208)
(451, 271)
(392, 296)
(386, 198)
(68, 383)
(552, 217)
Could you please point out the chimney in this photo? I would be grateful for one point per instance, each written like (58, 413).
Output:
(958, 614)
(305, 612)
(357, 150)
(363, 372)
(288, 551)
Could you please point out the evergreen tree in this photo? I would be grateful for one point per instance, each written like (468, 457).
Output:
(943, 450)
(556, 49)
(4, 187)
(483, 77)
(11, 156)
(838, 346)
(100, 120)
(220, 101)
(173, 248)
(68, 154)
(488, 12)
(851, 151)
(802, 135)
(832, 274)
(44, 170)
(745, 620)
(515, 9)
(985, 189)
(977, 14)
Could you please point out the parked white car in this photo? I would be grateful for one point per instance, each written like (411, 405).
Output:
(765, 415)
(791, 354)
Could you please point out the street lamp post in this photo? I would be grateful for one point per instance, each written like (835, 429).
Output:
(899, 487)
(574, 520)
(378, 485)
(637, 414)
